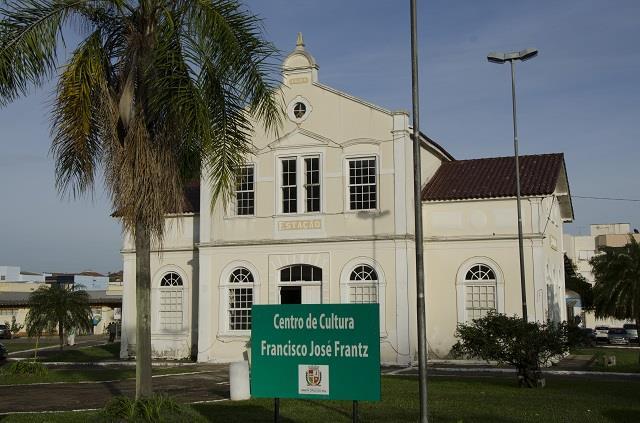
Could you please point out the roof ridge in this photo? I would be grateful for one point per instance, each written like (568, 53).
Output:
(506, 157)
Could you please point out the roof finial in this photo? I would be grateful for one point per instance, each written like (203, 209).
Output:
(299, 42)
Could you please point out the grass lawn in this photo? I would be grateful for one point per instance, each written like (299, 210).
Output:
(88, 354)
(626, 359)
(80, 375)
(455, 400)
(22, 346)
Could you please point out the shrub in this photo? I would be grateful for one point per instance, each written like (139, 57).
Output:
(27, 368)
(14, 327)
(511, 340)
(155, 409)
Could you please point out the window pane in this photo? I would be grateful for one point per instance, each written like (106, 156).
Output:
(245, 193)
(312, 184)
(362, 184)
(301, 273)
(479, 300)
(289, 186)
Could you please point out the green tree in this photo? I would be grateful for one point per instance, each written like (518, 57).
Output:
(616, 292)
(155, 90)
(57, 307)
(577, 283)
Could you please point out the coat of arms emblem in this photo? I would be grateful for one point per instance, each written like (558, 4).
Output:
(314, 376)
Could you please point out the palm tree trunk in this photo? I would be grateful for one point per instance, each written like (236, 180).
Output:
(61, 335)
(143, 312)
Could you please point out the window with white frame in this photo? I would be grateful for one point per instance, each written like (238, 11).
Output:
(171, 301)
(245, 191)
(300, 179)
(363, 285)
(240, 294)
(363, 189)
(312, 183)
(480, 288)
(289, 185)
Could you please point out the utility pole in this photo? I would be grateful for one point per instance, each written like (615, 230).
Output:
(419, 238)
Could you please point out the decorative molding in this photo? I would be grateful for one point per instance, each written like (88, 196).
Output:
(318, 139)
(358, 141)
(270, 241)
(482, 237)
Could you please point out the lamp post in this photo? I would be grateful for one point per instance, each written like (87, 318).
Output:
(501, 58)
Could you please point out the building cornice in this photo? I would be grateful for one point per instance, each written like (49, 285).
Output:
(507, 237)
(163, 250)
(243, 243)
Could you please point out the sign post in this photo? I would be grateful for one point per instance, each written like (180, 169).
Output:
(316, 351)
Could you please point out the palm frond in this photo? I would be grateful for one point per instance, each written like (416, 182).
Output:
(78, 116)
(30, 31)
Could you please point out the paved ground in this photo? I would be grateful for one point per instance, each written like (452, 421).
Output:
(203, 383)
(493, 372)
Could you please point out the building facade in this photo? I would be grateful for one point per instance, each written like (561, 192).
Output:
(323, 213)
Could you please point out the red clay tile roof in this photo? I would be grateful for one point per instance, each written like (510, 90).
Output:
(494, 177)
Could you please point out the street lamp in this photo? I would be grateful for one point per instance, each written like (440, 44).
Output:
(501, 58)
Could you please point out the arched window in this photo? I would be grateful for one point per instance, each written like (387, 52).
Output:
(480, 288)
(171, 301)
(301, 273)
(240, 294)
(363, 285)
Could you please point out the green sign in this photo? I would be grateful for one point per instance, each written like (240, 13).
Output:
(316, 351)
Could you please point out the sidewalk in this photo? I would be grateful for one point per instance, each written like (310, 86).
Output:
(208, 383)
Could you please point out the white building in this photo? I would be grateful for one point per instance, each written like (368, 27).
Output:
(324, 214)
(87, 280)
(14, 274)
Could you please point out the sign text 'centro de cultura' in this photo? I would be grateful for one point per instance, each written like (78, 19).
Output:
(318, 351)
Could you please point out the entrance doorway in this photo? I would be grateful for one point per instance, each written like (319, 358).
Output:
(290, 295)
(300, 284)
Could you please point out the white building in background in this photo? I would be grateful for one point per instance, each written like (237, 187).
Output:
(87, 280)
(323, 213)
(15, 274)
(581, 248)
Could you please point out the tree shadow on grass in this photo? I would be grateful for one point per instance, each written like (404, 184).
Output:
(237, 413)
(85, 354)
(622, 414)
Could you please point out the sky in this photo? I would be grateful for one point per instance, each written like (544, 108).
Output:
(580, 96)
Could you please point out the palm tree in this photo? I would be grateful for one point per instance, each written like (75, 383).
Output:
(617, 289)
(57, 307)
(155, 90)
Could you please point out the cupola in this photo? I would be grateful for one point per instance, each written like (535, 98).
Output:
(299, 67)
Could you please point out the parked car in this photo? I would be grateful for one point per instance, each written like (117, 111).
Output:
(602, 333)
(5, 332)
(618, 336)
(3, 353)
(632, 331)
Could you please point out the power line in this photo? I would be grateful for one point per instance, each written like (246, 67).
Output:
(607, 198)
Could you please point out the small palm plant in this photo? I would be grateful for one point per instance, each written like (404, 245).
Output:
(617, 289)
(57, 307)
